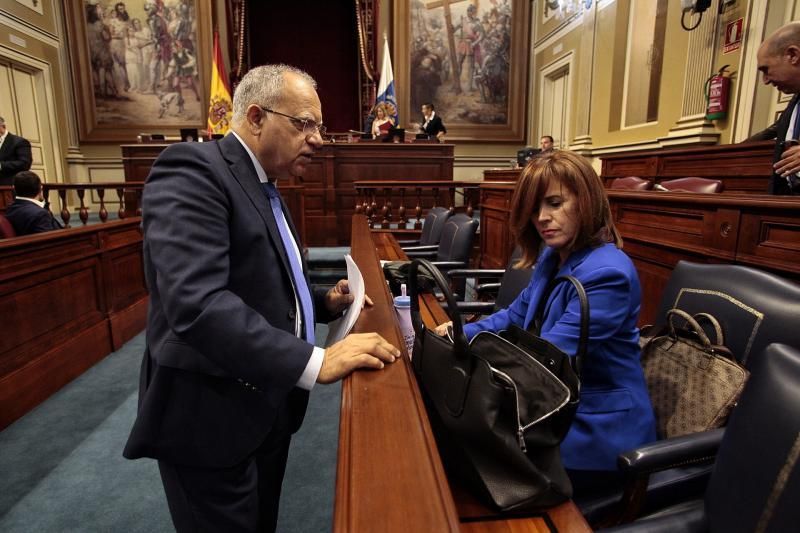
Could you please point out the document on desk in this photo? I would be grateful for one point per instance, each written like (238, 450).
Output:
(339, 328)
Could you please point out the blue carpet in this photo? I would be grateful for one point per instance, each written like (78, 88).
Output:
(63, 468)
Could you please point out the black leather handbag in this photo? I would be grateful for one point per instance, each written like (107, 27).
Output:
(501, 404)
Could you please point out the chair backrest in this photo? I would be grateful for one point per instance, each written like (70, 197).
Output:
(755, 308)
(433, 225)
(693, 184)
(634, 183)
(513, 281)
(755, 485)
(457, 236)
(6, 229)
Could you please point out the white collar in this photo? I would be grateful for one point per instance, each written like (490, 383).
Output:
(433, 114)
(262, 175)
(32, 200)
(3, 136)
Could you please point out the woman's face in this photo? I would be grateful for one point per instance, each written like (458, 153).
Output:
(380, 113)
(555, 219)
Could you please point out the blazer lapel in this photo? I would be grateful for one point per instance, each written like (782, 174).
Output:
(244, 173)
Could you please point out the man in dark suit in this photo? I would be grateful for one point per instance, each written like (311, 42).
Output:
(29, 213)
(432, 125)
(779, 63)
(230, 357)
(15, 154)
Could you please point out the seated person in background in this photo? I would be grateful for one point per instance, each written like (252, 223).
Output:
(560, 202)
(15, 154)
(546, 143)
(432, 126)
(29, 213)
(382, 123)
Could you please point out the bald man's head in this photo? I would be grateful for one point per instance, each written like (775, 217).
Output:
(779, 58)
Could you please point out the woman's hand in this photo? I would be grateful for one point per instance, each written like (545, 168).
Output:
(441, 329)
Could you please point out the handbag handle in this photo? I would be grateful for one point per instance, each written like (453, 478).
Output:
(583, 339)
(459, 340)
(698, 330)
(715, 324)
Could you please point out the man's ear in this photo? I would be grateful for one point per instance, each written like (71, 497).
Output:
(792, 53)
(255, 118)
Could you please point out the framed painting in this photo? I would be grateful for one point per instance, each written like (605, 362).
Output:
(470, 59)
(139, 66)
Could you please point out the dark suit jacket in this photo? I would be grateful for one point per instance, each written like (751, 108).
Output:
(434, 126)
(778, 184)
(221, 356)
(15, 156)
(28, 218)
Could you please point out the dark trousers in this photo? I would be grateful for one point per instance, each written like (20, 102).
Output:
(242, 498)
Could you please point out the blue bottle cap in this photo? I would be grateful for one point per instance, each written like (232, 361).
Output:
(402, 301)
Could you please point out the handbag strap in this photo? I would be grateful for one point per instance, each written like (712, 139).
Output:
(459, 339)
(583, 339)
(696, 328)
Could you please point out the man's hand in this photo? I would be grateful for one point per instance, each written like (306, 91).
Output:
(359, 350)
(790, 162)
(339, 297)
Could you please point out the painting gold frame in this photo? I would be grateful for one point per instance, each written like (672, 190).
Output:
(124, 123)
(512, 127)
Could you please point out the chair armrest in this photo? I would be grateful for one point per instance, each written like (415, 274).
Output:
(409, 243)
(421, 254)
(424, 248)
(448, 265)
(476, 273)
(481, 308)
(668, 453)
(484, 288)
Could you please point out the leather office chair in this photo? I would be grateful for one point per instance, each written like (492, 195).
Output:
(633, 183)
(755, 485)
(753, 308)
(6, 229)
(692, 184)
(455, 245)
(510, 282)
(432, 228)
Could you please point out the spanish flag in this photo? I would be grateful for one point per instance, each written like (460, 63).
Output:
(221, 106)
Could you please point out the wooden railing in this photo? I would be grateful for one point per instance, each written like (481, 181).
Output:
(127, 199)
(384, 202)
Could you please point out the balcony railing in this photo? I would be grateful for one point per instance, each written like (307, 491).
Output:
(393, 204)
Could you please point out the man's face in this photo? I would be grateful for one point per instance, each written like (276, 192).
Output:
(2, 129)
(426, 111)
(282, 147)
(781, 70)
(546, 144)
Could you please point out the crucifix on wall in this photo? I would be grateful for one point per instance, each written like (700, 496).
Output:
(451, 41)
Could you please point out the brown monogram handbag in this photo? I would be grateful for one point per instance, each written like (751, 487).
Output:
(693, 383)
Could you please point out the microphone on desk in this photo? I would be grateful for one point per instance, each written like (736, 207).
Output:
(357, 131)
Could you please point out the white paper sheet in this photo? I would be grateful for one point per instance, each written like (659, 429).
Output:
(339, 328)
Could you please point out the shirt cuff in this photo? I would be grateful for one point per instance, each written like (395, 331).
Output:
(310, 374)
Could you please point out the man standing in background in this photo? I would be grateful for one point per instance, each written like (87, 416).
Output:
(15, 154)
(779, 64)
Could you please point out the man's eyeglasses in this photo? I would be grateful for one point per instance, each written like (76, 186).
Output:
(308, 126)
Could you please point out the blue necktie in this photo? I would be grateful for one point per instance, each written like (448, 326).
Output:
(301, 287)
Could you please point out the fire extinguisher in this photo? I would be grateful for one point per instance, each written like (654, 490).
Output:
(718, 89)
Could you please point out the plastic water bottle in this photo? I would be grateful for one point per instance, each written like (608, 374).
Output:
(402, 306)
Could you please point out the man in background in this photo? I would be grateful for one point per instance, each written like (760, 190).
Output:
(779, 64)
(29, 213)
(432, 125)
(15, 154)
(546, 144)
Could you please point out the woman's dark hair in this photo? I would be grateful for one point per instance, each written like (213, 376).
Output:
(592, 210)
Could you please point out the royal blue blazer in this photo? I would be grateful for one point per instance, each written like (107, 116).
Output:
(614, 414)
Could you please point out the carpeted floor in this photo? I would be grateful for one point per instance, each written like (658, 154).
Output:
(63, 470)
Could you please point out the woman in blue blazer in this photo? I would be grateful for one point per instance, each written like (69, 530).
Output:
(560, 207)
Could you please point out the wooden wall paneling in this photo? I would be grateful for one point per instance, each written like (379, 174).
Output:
(497, 242)
(770, 238)
(67, 298)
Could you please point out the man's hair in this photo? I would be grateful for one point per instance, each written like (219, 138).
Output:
(429, 106)
(548, 137)
(592, 210)
(783, 38)
(27, 184)
(263, 86)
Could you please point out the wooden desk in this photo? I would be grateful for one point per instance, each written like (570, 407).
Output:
(389, 474)
(329, 195)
